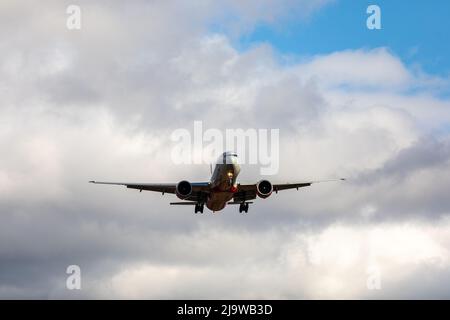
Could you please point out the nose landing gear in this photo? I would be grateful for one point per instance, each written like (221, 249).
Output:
(243, 207)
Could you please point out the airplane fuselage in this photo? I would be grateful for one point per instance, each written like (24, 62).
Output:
(223, 182)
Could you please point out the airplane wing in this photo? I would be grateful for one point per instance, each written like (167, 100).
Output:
(248, 191)
(199, 189)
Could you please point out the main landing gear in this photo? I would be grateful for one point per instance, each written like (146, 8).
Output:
(243, 207)
(199, 207)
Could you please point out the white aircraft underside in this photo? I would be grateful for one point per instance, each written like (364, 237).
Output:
(221, 190)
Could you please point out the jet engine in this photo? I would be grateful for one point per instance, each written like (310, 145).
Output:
(183, 189)
(264, 189)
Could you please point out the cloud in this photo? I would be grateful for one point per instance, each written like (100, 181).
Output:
(333, 263)
(359, 68)
(237, 17)
(100, 103)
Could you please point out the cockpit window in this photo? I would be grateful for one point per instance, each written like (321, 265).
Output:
(230, 154)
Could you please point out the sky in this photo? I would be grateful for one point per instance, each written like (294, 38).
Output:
(413, 30)
(100, 103)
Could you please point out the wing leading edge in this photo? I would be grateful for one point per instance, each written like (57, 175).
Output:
(200, 190)
(157, 187)
(248, 191)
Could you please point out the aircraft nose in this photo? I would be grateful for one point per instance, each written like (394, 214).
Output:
(228, 158)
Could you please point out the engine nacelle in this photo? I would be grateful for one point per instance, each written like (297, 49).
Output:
(264, 189)
(183, 189)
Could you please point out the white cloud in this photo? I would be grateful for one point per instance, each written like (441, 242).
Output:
(358, 68)
(332, 263)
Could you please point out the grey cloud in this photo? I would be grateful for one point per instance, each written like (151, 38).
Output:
(413, 182)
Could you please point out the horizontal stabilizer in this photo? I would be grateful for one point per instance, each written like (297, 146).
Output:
(186, 203)
(240, 202)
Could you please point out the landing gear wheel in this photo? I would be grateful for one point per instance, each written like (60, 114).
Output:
(199, 207)
(243, 207)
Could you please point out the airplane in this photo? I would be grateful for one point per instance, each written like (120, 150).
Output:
(220, 190)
